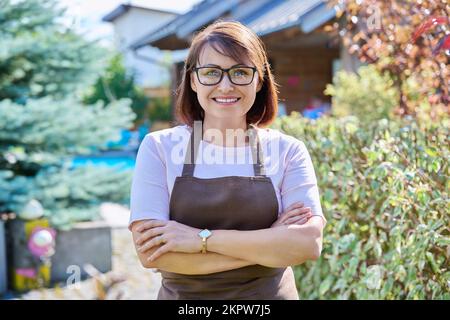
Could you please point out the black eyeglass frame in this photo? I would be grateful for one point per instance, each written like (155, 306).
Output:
(223, 72)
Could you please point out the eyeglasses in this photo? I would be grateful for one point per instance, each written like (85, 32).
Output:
(210, 76)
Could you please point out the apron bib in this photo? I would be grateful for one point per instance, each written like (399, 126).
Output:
(232, 202)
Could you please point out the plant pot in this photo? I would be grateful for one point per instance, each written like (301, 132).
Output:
(85, 243)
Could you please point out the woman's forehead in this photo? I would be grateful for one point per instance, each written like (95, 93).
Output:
(209, 55)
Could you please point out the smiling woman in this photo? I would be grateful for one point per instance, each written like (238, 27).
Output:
(232, 230)
(233, 50)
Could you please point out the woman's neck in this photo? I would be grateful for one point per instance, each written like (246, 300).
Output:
(226, 133)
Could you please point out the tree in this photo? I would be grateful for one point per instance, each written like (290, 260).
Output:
(40, 57)
(381, 33)
(44, 68)
(116, 83)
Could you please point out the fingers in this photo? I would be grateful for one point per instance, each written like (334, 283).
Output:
(156, 241)
(149, 234)
(159, 252)
(294, 212)
(298, 219)
(294, 205)
(151, 224)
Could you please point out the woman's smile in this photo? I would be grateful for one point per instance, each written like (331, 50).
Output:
(226, 100)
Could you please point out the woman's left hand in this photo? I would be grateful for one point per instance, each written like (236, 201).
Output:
(171, 235)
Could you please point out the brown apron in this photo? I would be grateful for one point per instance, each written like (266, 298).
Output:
(232, 202)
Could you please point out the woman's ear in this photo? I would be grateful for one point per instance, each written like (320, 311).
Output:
(259, 86)
(193, 86)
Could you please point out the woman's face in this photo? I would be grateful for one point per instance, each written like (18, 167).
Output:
(218, 101)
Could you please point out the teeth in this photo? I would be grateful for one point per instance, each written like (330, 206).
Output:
(226, 100)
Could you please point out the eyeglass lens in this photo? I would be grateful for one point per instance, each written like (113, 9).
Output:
(238, 75)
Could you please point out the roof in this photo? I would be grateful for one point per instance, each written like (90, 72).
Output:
(262, 16)
(168, 32)
(123, 8)
(208, 15)
(307, 14)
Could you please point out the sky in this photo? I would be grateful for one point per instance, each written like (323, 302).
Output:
(86, 15)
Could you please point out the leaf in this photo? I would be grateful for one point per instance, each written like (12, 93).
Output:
(431, 152)
(435, 166)
(374, 277)
(432, 262)
(325, 285)
(377, 249)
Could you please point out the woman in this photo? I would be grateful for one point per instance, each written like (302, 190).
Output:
(217, 229)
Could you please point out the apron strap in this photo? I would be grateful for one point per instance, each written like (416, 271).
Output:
(257, 152)
(194, 142)
(191, 152)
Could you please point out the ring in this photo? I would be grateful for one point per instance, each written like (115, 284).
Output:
(161, 240)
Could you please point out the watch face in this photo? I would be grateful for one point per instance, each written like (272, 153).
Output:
(204, 233)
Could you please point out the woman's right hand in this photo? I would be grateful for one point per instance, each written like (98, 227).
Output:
(294, 214)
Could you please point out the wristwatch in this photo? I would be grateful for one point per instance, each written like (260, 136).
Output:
(204, 234)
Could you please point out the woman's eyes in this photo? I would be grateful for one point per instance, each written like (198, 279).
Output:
(239, 72)
(233, 72)
(211, 72)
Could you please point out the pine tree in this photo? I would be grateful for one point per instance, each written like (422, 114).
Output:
(44, 69)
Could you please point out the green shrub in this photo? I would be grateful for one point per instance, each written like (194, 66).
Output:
(384, 190)
(366, 95)
(160, 109)
(117, 83)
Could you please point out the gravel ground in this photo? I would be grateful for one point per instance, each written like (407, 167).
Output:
(127, 279)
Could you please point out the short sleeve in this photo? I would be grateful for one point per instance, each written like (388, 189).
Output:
(149, 197)
(299, 183)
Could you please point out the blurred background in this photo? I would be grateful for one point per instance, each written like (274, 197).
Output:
(365, 84)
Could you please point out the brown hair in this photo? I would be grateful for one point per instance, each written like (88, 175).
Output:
(234, 40)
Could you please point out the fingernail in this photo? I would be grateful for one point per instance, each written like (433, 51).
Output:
(150, 259)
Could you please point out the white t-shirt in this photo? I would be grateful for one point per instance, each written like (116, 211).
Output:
(161, 157)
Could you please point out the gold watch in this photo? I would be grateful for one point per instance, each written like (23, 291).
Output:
(204, 234)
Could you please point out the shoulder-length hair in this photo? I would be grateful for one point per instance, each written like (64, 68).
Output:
(234, 40)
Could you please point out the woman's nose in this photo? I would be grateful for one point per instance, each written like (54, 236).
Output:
(225, 84)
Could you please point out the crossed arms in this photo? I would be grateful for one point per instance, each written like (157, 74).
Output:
(278, 246)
